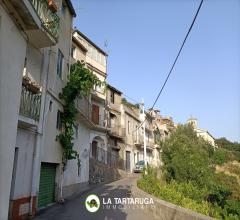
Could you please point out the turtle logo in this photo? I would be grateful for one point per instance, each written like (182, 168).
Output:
(92, 203)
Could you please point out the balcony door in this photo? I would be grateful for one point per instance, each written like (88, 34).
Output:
(95, 114)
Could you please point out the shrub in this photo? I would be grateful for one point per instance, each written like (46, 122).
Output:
(218, 195)
(220, 156)
(233, 207)
(229, 182)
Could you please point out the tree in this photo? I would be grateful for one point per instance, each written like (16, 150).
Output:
(186, 157)
(224, 143)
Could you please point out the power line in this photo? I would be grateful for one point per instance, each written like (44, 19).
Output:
(173, 65)
(136, 102)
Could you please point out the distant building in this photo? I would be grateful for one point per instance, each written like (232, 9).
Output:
(201, 132)
(115, 124)
(163, 126)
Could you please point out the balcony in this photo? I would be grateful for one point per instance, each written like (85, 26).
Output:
(138, 141)
(90, 116)
(116, 131)
(39, 20)
(30, 103)
(84, 107)
(114, 106)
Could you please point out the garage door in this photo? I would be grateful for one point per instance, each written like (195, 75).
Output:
(47, 184)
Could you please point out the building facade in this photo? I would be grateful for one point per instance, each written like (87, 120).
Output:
(38, 30)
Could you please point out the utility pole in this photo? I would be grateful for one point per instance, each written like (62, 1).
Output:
(144, 134)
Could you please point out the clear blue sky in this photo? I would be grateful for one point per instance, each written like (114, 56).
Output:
(143, 39)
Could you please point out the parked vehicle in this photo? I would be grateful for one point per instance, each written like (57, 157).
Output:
(139, 166)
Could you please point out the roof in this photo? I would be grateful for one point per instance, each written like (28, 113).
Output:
(113, 88)
(90, 41)
(71, 8)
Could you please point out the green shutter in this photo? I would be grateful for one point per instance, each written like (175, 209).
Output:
(47, 184)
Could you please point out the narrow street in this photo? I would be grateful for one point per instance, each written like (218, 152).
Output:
(75, 209)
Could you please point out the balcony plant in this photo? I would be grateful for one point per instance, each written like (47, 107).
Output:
(30, 85)
(52, 5)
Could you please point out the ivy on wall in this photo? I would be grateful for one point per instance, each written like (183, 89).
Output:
(80, 83)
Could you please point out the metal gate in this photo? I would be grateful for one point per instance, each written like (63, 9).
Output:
(47, 184)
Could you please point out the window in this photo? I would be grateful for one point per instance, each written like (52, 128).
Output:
(75, 131)
(89, 50)
(111, 120)
(136, 128)
(73, 52)
(60, 63)
(112, 97)
(104, 61)
(59, 121)
(50, 106)
(128, 127)
(94, 55)
(115, 142)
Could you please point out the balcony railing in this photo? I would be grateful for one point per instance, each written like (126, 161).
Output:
(85, 108)
(116, 130)
(30, 104)
(138, 140)
(49, 18)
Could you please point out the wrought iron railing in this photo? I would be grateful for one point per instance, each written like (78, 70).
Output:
(30, 104)
(49, 18)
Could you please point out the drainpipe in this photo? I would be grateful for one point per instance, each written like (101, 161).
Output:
(40, 135)
(63, 167)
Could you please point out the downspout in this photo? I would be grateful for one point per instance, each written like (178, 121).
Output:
(63, 167)
(40, 137)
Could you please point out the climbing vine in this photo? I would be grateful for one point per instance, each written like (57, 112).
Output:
(80, 83)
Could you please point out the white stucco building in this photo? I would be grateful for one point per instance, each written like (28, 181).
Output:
(31, 34)
(201, 132)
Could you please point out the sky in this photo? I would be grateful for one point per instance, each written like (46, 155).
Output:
(143, 38)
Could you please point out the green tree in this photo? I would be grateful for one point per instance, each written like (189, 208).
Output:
(186, 157)
(224, 143)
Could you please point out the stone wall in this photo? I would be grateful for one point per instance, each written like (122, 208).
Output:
(100, 172)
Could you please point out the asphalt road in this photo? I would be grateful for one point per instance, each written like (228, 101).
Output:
(75, 209)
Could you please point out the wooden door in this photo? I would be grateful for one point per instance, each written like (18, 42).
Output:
(95, 114)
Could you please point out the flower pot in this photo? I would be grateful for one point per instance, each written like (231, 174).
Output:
(26, 80)
(34, 88)
(52, 5)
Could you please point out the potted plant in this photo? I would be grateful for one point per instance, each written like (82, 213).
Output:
(52, 5)
(34, 88)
